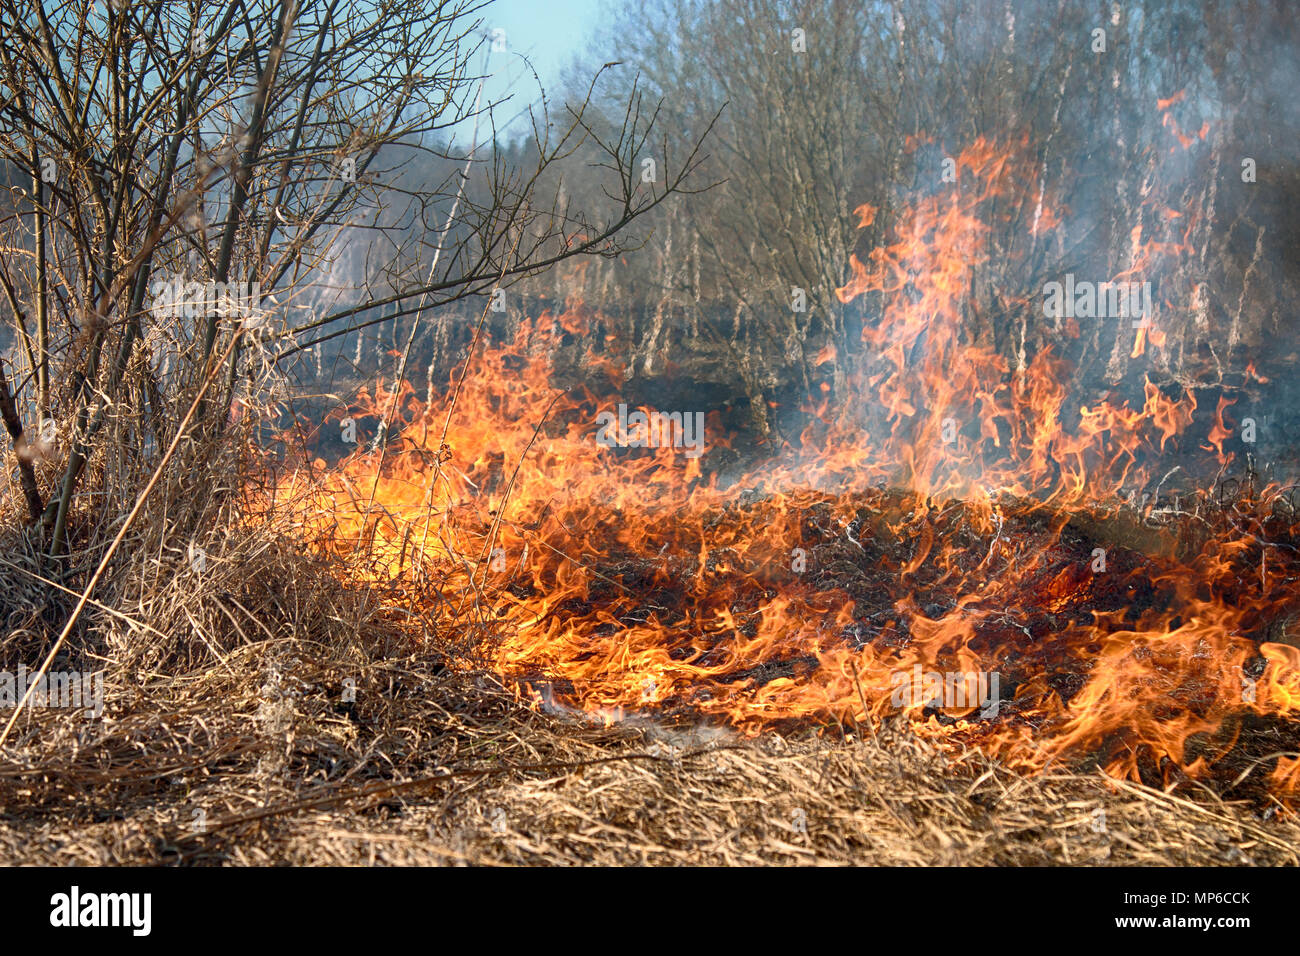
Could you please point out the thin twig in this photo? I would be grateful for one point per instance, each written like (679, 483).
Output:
(121, 534)
(389, 789)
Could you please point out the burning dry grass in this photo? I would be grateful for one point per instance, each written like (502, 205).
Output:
(228, 737)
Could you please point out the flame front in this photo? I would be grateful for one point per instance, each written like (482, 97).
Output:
(937, 519)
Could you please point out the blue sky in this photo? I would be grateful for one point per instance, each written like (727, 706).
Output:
(549, 33)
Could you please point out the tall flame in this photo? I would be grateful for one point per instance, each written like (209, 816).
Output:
(938, 519)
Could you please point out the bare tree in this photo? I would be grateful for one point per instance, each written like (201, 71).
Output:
(833, 104)
(168, 149)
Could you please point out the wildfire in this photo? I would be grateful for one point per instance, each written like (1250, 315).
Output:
(941, 518)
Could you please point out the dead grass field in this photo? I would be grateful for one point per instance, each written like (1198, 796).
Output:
(227, 710)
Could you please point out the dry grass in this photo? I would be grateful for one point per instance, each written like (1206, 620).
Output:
(226, 739)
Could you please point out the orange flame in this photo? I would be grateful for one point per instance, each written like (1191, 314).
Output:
(919, 545)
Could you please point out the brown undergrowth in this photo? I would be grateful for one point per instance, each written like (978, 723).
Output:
(259, 712)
